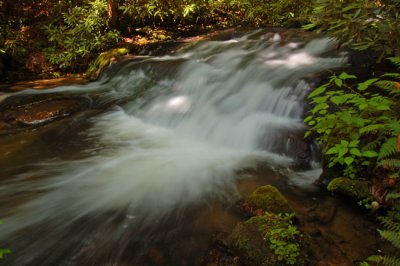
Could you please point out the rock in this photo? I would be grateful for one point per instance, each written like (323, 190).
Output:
(41, 111)
(270, 240)
(269, 199)
(357, 189)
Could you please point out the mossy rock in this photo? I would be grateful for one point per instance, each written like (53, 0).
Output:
(357, 189)
(104, 60)
(269, 199)
(253, 242)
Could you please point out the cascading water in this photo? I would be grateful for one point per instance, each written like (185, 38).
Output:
(202, 115)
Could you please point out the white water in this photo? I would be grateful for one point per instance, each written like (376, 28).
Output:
(215, 109)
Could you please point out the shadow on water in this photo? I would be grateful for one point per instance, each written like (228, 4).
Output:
(143, 166)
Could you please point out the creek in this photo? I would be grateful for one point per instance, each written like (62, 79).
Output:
(153, 164)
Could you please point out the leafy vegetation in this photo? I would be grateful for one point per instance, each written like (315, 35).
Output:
(283, 241)
(82, 32)
(365, 24)
(358, 125)
(392, 234)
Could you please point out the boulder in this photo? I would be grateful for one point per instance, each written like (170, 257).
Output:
(270, 240)
(354, 188)
(269, 199)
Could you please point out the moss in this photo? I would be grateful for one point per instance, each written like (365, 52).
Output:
(104, 60)
(252, 241)
(269, 199)
(357, 189)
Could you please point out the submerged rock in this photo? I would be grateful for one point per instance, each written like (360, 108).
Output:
(270, 240)
(357, 189)
(269, 199)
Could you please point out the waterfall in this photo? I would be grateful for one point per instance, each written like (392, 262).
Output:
(203, 114)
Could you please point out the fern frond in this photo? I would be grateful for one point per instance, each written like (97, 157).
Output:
(395, 61)
(388, 148)
(391, 75)
(372, 145)
(392, 163)
(390, 261)
(384, 260)
(371, 128)
(394, 126)
(389, 224)
(391, 236)
(388, 85)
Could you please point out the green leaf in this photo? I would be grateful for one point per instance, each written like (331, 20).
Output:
(364, 85)
(369, 154)
(338, 82)
(349, 160)
(332, 150)
(338, 100)
(342, 152)
(344, 143)
(345, 76)
(319, 107)
(355, 151)
(318, 91)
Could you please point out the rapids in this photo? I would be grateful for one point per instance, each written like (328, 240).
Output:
(181, 130)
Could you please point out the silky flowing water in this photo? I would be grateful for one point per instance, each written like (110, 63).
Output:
(151, 176)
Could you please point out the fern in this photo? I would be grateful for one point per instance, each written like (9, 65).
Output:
(394, 126)
(389, 224)
(390, 261)
(395, 61)
(388, 148)
(390, 86)
(391, 75)
(393, 163)
(385, 260)
(371, 128)
(392, 236)
(372, 145)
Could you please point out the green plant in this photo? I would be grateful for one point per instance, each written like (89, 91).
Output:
(392, 234)
(80, 34)
(358, 123)
(261, 13)
(283, 241)
(364, 24)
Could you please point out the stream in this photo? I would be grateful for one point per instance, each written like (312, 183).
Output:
(150, 164)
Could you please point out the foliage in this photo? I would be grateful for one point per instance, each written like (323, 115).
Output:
(262, 13)
(156, 12)
(365, 24)
(283, 241)
(357, 123)
(391, 234)
(80, 34)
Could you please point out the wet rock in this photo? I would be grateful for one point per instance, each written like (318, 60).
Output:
(41, 111)
(357, 189)
(269, 199)
(270, 240)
